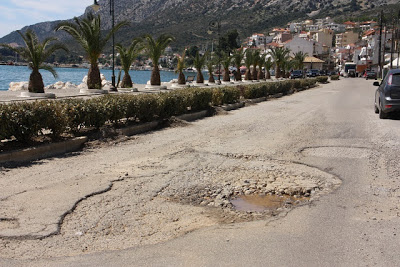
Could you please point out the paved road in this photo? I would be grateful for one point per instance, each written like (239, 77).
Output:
(332, 128)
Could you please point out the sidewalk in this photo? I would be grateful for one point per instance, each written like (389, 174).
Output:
(14, 96)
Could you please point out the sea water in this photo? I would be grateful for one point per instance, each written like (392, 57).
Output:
(10, 74)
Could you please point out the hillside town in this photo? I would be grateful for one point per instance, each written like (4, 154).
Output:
(330, 45)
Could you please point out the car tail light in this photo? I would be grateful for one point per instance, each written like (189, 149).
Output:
(388, 106)
(390, 79)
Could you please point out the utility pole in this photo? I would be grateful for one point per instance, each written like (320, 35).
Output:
(392, 44)
(398, 38)
(380, 46)
(114, 87)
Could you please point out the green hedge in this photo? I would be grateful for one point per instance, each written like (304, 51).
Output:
(334, 77)
(27, 120)
(322, 79)
(272, 88)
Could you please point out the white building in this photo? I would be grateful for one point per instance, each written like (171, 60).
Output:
(298, 44)
(258, 40)
(312, 28)
(336, 27)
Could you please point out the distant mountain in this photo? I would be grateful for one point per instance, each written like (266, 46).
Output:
(188, 20)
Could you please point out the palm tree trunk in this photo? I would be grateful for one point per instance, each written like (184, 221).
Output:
(254, 74)
(200, 78)
(126, 81)
(36, 82)
(94, 80)
(267, 75)
(155, 76)
(260, 74)
(211, 79)
(226, 76)
(238, 75)
(181, 78)
(278, 72)
(247, 75)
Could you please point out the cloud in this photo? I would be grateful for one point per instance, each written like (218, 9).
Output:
(6, 28)
(54, 8)
(15, 14)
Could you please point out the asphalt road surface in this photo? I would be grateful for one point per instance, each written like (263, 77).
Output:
(331, 128)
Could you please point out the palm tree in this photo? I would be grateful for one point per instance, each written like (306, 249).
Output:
(87, 32)
(210, 67)
(226, 62)
(287, 67)
(36, 53)
(268, 64)
(238, 56)
(299, 60)
(279, 55)
(256, 61)
(128, 55)
(199, 62)
(155, 49)
(180, 67)
(248, 61)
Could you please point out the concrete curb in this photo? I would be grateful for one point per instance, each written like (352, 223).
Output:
(43, 151)
(138, 129)
(233, 106)
(275, 96)
(256, 100)
(193, 116)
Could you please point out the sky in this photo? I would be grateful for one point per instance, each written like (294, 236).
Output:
(15, 14)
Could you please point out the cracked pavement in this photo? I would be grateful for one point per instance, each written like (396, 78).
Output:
(162, 198)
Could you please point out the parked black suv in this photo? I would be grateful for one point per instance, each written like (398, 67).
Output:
(387, 96)
(296, 74)
(312, 73)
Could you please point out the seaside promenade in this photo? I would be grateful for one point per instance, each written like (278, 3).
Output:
(14, 96)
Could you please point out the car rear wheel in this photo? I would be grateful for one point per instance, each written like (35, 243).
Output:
(382, 115)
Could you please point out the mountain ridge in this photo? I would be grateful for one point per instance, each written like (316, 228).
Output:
(188, 20)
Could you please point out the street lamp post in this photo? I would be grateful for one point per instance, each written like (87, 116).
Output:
(217, 25)
(96, 8)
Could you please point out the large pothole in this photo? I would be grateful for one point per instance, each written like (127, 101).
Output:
(242, 184)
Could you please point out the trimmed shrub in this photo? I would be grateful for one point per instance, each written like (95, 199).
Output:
(30, 119)
(21, 121)
(148, 107)
(231, 95)
(200, 99)
(174, 103)
(334, 77)
(254, 91)
(322, 79)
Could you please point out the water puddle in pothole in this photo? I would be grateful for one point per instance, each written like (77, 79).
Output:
(258, 203)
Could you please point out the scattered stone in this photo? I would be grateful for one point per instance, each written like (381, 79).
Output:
(18, 86)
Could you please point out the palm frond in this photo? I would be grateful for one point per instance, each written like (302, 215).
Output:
(155, 47)
(49, 69)
(181, 62)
